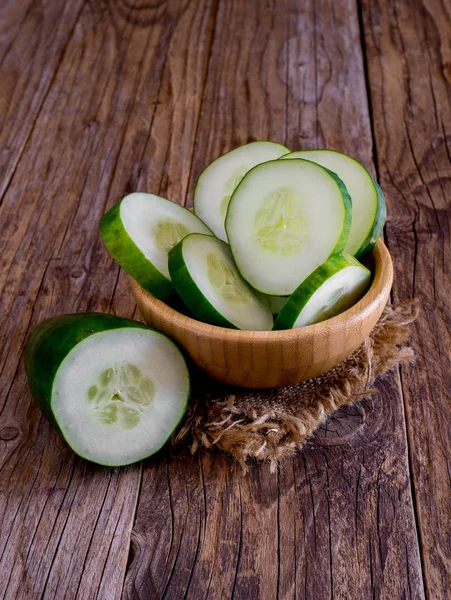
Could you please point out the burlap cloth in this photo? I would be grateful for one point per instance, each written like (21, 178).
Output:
(268, 424)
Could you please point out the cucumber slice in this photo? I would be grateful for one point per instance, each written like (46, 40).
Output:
(112, 387)
(205, 277)
(368, 202)
(276, 303)
(140, 230)
(285, 219)
(331, 289)
(218, 181)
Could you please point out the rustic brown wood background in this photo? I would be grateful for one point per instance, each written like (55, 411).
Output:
(102, 97)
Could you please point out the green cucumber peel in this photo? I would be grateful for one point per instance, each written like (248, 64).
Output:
(49, 355)
(286, 206)
(323, 275)
(190, 293)
(125, 252)
(52, 340)
(347, 222)
(368, 202)
(155, 225)
(379, 223)
(201, 296)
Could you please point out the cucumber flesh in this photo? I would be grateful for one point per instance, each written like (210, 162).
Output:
(114, 389)
(330, 290)
(218, 181)
(205, 277)
(368, 203)
(140, 230)
(286, 218)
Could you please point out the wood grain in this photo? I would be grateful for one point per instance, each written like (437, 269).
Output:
(105, 97)
(33, 39)
(409, 59)
(336, 520)
(242, 82)
(65, 525)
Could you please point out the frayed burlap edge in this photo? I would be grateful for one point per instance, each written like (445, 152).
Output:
(268, 424)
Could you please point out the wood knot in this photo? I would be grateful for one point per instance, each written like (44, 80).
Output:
(342, 424)
(8, 433)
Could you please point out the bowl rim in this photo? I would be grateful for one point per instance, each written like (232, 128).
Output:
(383, 277)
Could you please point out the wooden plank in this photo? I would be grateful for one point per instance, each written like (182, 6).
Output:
(244, 79)
(64, 524)
(12, 15)
(409, 58)
(33, 38)
(336, 520)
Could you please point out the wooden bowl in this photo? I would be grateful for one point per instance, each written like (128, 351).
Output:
(265, 359)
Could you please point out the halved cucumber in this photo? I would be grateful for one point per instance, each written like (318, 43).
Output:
(331, 289)
(112, 387)
(205, 277)
(140, 230)
(368, 202)
(286, 218)
(218, 181)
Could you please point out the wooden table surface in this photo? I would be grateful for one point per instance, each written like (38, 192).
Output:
(100, 98)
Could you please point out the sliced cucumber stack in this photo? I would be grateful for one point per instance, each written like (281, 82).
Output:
(368, 203)
(112, 387)
(330, 290)
(286, 218)
(205, 277)
(218, 181)
(140, 230)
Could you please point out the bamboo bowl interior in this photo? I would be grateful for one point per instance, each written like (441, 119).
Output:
(266, 359)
